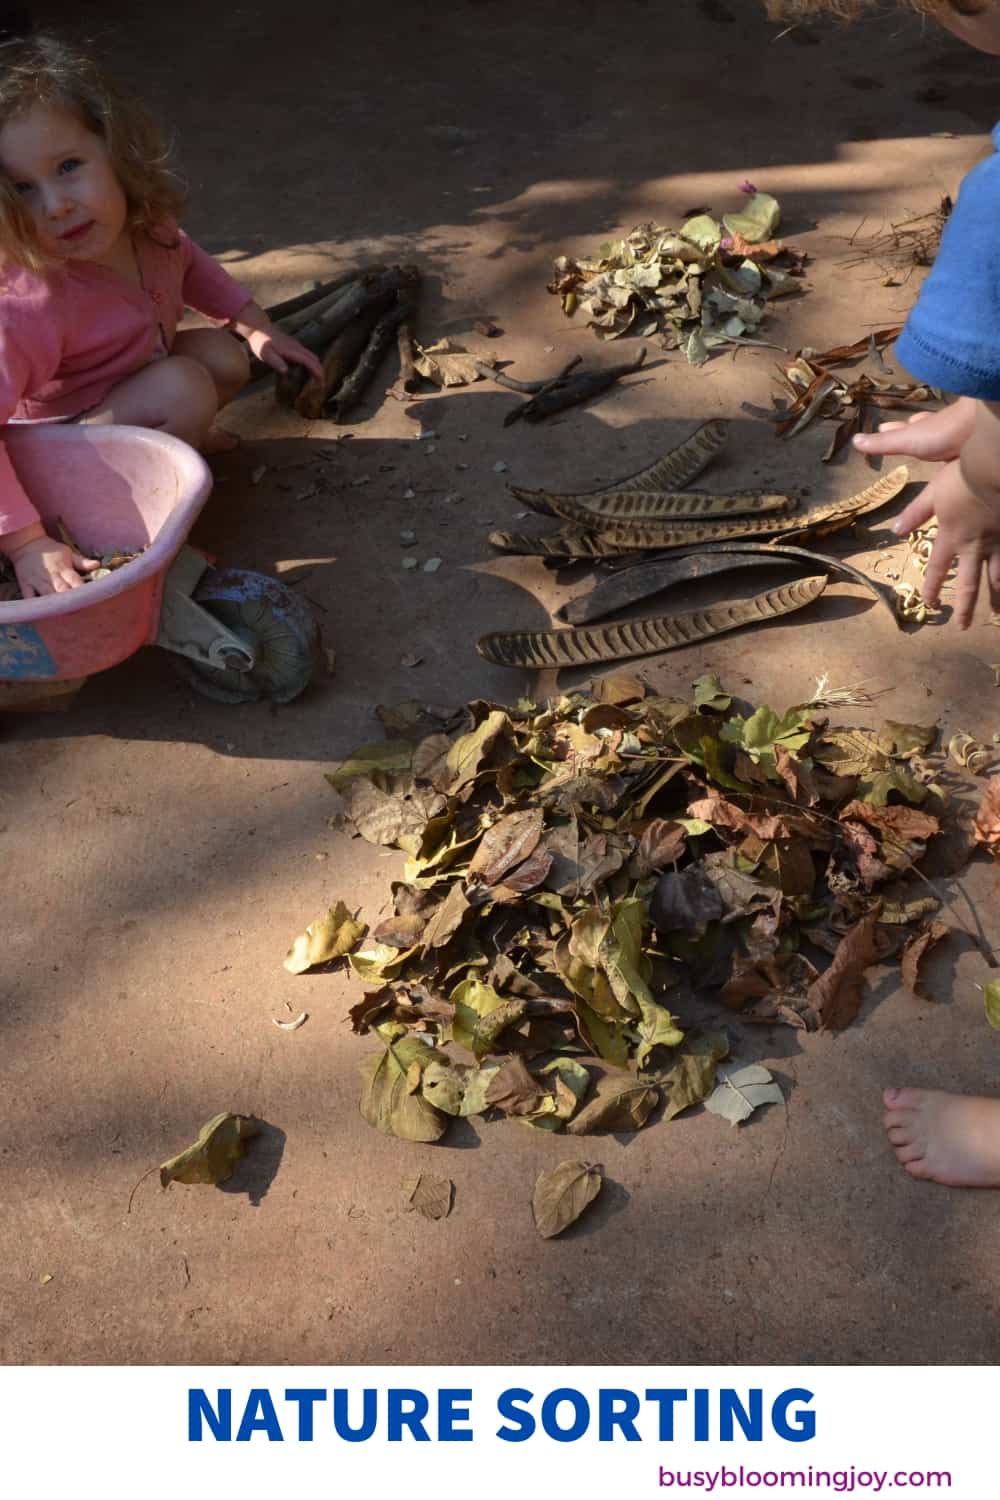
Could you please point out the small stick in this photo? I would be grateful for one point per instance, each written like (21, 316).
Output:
(378, 343)
(525, 387)
(409, 380)
(292, 305)
(294, 321)
(561, 393)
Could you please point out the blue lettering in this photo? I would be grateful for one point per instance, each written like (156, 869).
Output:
(407, 1409)
(665, 1400)
(702, 1424)
(618, 1409)
(200, 1409)
(450, 1412)
(752, 1422)
(802, 1425)
(509, 1406)
(306, 1399)
(369, 1415)
(259, 1415)
(550, 1408)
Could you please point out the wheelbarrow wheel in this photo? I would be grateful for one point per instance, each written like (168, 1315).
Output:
(279, 627)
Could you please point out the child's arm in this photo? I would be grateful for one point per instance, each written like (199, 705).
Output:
(42, 565)
(272, 345)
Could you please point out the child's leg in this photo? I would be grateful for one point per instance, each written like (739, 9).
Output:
(228, 364)
(953, 1139)
(175, 394)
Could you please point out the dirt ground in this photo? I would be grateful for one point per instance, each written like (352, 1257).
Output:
(159, 852)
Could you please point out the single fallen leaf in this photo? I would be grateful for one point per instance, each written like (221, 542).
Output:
(561, 1196)
(618, 1104)
(692, 1077)
(661, 843)
(448, 364)
(382, 818)
(429, 1196)
(506, 844)
(213, 1156)
(836, 995)
(740, 1093)
(329, 937)
(916, 951)
(895, 738)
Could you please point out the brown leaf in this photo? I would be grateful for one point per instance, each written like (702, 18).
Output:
(383, 819)
(525, 877)
(400, 932)
(836, 994)
(685, 901)
(618, 687)
(514, 1090)
(916, 951)
(447, 919)
(987, 824)
(662, 843)
(506, 844)
(898, 821)
(862, 845)
(561, 1196)
(430, 1196)
(799, 778)
(778, 977)
(618, 1104)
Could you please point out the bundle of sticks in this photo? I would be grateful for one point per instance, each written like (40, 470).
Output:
(350, 322)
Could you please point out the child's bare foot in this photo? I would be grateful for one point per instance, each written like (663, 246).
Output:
(218, 440)
(953, 1139)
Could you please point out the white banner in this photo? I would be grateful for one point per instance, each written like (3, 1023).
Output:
(493, 1432)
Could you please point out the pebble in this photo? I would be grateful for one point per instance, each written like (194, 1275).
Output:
(357, 483)
(431, 448)
(432, 564)
(409, 494)
(407, 538)
(454, 499)
(499, 467)
(256, 475)
(409, 562)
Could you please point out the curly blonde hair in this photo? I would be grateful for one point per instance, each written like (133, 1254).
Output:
(44, 69)
(849, 10)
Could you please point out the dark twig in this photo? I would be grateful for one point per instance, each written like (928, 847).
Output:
(381, 336)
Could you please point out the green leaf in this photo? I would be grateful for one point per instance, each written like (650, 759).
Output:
(703, 231)
(622, 956)
(709, 693)
(391, 756)
(213, 1156)
(572, 1082)
(692, 1077)
(389, 1098)
(991, 1001)
(759, 219)
(896, 779)
(607, 1038)
(380, 962)
(740, 1093)
(329, 937)
(472, 1001)
(657, 1029)
(561, 1196)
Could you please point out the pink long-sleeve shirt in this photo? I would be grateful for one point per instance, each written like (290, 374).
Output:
(68, 337)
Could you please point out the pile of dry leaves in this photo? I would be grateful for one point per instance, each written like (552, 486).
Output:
(702, 286)
(591, 885)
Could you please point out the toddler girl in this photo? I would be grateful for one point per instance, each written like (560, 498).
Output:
(94, 278)
(952, 340)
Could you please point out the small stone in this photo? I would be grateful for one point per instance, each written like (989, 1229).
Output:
(521, 514)
(453, 499)
(409, 562)
(423, 437)
(499, 467)
(432, 564)
(550, 348)
(256, 475)
(409, 494)
(357, 483)
(407, 538)
(463, 437)
(431, 448)
(45, 1278)
(460, 467)
(410, 660)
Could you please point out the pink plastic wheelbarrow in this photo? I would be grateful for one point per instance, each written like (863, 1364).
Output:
(246, 636)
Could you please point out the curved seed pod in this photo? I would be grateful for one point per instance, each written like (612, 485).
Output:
(671, 472)
(572, 541)
(572, 648)
(656, 576)
(839, 513)
(664, 505)
(642, 536)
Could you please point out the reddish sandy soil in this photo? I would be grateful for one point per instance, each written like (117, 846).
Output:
(159, 852)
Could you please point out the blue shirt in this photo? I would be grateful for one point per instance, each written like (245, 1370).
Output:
(952, 336)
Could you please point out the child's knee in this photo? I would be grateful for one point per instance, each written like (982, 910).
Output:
(188, 393)
(230, 364)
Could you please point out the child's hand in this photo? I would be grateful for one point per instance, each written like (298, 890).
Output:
(278, 349)
(968, 529)
(45, 566)
(938, 436)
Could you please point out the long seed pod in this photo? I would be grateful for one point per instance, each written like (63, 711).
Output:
(572, 648)
(571, 541)
(673, 471)
(660, 505)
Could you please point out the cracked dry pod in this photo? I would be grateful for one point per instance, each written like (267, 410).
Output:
(274, 621)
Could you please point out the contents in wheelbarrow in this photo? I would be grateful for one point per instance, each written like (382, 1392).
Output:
(110, 563)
